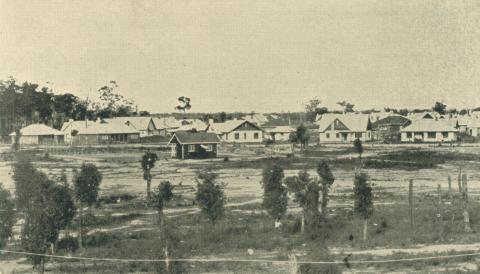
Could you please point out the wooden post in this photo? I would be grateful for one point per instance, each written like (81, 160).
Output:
(459, 180)
(410, 204)
(439, 214)
(183, 152)
(293, 264)
(439, 192)
(450, 189)
(466, 216)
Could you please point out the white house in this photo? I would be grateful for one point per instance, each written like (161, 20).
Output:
(429, 130)
(237, 131)
(144, 125)
(38, 134)
(279, 133)
(344, 128)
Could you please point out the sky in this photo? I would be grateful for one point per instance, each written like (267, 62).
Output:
(248, 55)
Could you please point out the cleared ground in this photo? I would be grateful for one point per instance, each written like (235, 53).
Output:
(133, 225)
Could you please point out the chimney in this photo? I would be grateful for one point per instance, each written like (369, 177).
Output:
(210, 121)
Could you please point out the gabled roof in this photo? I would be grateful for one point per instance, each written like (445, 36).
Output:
(195, 137)
(108, 128)
(396, 120)
(166, 122)
(77, 125)
(280, 129)
(353, 122)
(256, 118)
(229, 126)
(37, 130)
(429, 125)
(139, 123)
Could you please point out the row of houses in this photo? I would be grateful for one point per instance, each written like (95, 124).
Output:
(422, 127)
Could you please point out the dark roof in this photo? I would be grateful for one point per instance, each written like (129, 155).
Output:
(391, 120)
(195, 137)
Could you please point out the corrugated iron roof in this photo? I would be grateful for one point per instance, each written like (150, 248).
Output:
(195, 137)
(37, 130)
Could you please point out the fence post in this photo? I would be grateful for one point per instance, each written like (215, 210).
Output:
(410, 204)
(466, 216)
(450, 189)
(459, 180)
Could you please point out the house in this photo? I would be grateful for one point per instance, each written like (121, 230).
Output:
(237, 131)
(343, 128)
(194, 144)
(191, 124)
(167, 124)
(99, 132)
(473, 128)
(388, 129)
(256, 118)
(38, 134)
(144, 125)
(429, 130)
(278, 133)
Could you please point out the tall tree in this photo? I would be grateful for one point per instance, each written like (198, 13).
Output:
(440, 108)
(326, 179)
(347, 107)
(7, 216)
(306, 192)
(210, 196)
(313, 108)
(184, 104)
(275, 197)
(148, 162)
(363, 204)
(86, 186)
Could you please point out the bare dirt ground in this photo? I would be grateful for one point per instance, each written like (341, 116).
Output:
(122, 174)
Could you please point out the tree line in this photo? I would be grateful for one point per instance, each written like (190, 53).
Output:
(26, 103)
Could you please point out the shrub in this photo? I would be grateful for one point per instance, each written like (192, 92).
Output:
(101, 239)
(226, 159)
(68, 243)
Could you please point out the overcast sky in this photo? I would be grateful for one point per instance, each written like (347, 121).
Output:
(258, 55)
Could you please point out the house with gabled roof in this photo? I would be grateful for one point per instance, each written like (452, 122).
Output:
(38, 134)
(388, 128)
(237, 131)
(144, 125)
(194, 144)
(99, 132)
(344, 128)
(429, 130)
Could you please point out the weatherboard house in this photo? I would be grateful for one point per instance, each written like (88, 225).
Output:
(237, 131)
(38, 134)
(428, 130)
(194, 144)
(344, 128)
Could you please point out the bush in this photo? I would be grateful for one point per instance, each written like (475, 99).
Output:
(226, 159)
(68, 243)
(101, 239)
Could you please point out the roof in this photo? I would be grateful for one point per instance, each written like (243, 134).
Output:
(256, 118)
(353, 122)
(429, 125)
(229, 126)
(139, 123)
(37, 130)
(397, 120)
(108, 128)
(280, 129)
(195, 137)
(78, 125)
(166, 122)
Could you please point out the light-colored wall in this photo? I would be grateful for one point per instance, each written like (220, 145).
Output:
(245, 136)
(334, 138)
(423, 137)
(26, 140)
(281, 136)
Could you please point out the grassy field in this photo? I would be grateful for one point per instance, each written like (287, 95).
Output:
(122, 226)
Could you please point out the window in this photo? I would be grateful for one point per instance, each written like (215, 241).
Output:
(431, 135)
(237, 136)
(445, 134)
(409, 135)
(209, 147)
(245, 136)
(327, 135)
(337, 135)
(255, 135)
(358, 135)
(191, 148)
